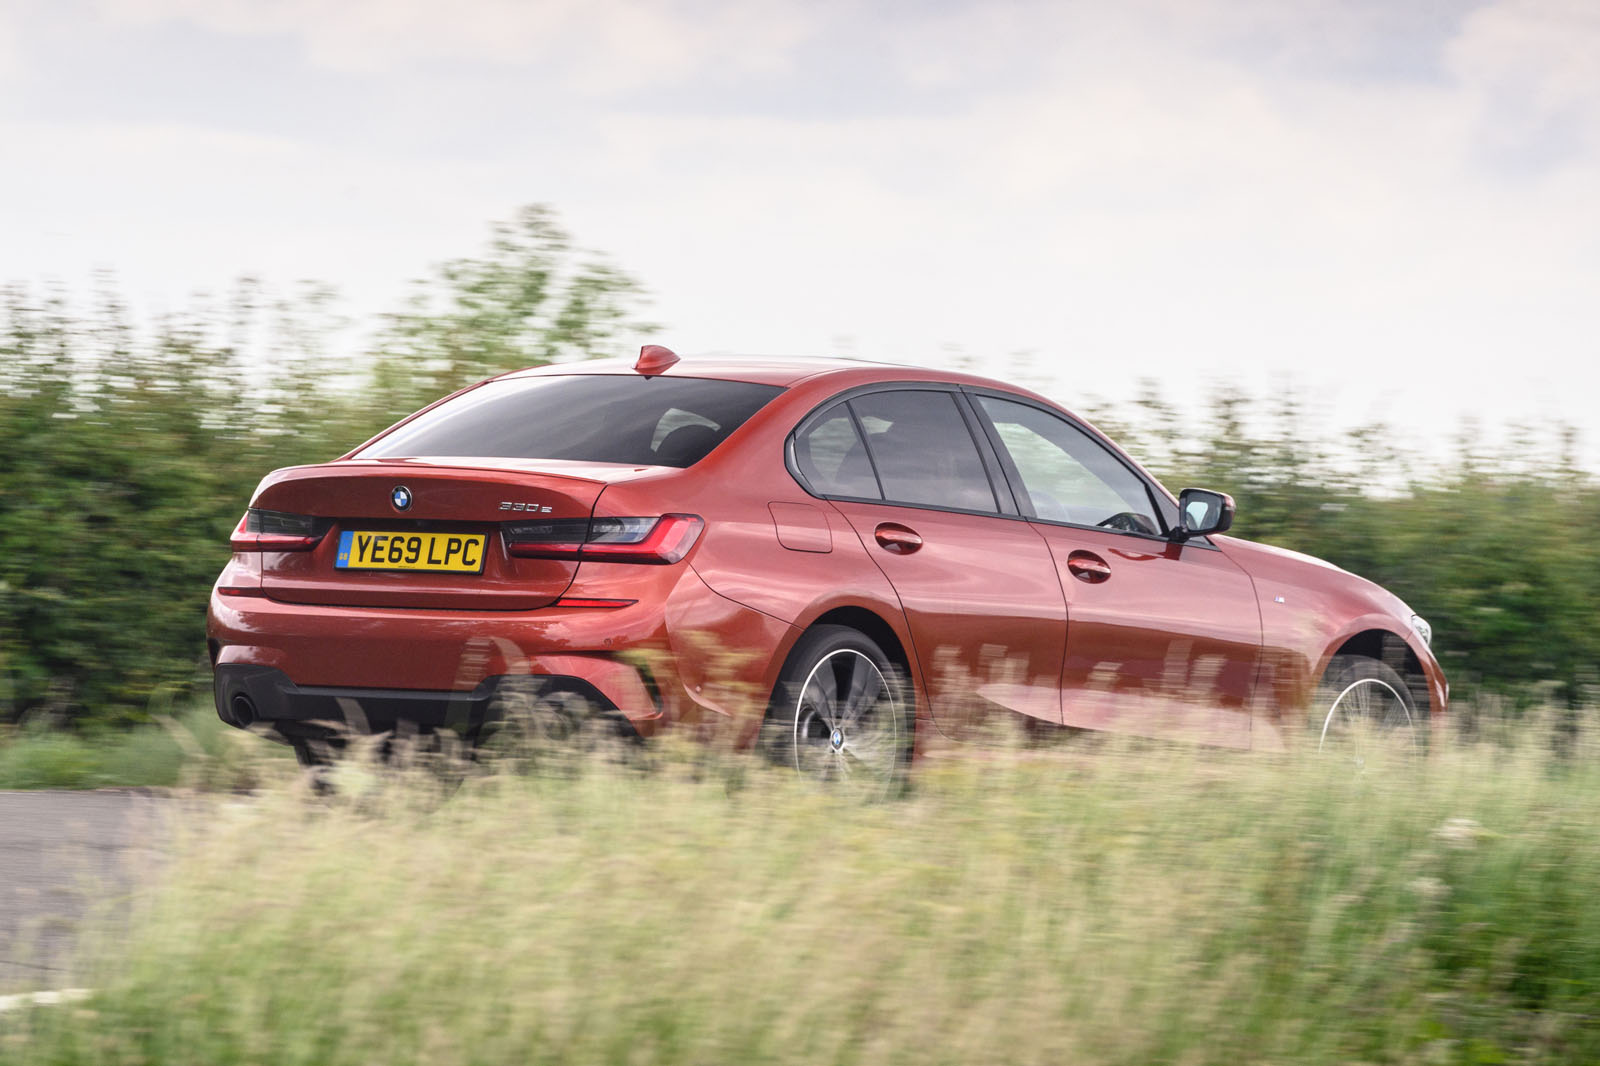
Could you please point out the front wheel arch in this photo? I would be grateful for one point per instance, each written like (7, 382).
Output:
(1390, 647)
(1367, 692)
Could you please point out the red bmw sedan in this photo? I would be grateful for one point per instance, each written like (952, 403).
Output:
(843, 561)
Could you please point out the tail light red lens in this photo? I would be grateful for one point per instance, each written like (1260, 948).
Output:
(276, 531)
(665, 539)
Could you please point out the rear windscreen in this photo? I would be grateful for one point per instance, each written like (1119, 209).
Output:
(591, 418)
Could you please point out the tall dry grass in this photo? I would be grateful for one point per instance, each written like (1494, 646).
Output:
(1092, 902)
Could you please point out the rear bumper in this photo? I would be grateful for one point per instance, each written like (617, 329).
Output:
(681, 654)
(445, 655)
(265, 697)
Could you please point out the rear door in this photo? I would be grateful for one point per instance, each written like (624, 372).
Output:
(1163, 638)
(977, 584)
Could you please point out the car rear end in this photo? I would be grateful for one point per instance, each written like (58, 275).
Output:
(471, 553)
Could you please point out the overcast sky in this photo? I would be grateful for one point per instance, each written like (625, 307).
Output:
(1395, 205)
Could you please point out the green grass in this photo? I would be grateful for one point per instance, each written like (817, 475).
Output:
(1102, 903)
(192, 748)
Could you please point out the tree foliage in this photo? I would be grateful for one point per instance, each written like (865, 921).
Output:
(127, 454)
(529, 299)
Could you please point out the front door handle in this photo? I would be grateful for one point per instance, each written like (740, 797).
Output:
(1087, 566)
(893, 537)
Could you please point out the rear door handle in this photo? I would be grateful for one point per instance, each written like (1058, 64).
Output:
(1087, 566)
(893, 537)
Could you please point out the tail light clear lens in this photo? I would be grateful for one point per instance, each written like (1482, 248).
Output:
(276, 531)
(663, 539)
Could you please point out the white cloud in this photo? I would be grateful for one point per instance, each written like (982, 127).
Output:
(10, 51)
(1161, 189)
(1164, 214)
(172, 210)
(1532, 66)
(598, 44)
(1546, 48)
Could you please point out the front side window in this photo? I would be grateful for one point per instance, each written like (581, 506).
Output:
(922, 450)
(597, 418)
(1067, 475)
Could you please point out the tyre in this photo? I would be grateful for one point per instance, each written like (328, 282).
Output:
(841, 713)
(1364, 704)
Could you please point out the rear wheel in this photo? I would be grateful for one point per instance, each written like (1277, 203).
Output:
(1364, 706)
(535, 729)
(841, 713)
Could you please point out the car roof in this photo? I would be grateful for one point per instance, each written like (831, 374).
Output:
(769, 370)
(787, 371)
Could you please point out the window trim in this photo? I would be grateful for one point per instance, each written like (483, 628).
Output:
(999, 485)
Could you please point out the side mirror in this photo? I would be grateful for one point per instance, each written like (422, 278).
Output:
(1201, 511)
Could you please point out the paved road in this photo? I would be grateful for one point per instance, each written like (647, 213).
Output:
(64, 856)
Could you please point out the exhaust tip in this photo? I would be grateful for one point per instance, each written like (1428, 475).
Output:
(243, 709)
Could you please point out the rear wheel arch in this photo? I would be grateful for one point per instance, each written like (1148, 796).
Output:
(870, 623)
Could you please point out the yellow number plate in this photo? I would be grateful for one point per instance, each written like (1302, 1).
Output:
(460, 553)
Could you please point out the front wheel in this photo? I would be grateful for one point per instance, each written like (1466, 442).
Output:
(841, 713)
(1362, 704)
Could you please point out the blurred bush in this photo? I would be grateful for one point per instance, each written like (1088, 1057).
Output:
(190, 749)
(128, 451)
(1495, 548)
(127, 454)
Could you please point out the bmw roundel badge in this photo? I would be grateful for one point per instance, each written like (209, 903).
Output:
(401, 498)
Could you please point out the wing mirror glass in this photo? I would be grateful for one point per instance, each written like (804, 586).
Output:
(1201, 511)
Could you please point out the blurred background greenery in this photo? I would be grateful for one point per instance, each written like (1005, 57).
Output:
(128, 450)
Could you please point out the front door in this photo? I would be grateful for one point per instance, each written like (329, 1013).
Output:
(1163, 638)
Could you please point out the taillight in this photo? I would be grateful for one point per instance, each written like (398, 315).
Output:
(276, 531)
(619, 540)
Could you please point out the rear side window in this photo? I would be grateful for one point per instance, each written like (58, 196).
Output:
(593, 418)
(922, 450)
(833, 458)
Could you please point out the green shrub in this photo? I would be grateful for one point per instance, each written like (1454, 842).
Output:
(48, 760)
(192, 749)
(127, 456)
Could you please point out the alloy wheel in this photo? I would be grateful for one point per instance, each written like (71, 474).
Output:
(1365, 713)
(846, 725)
